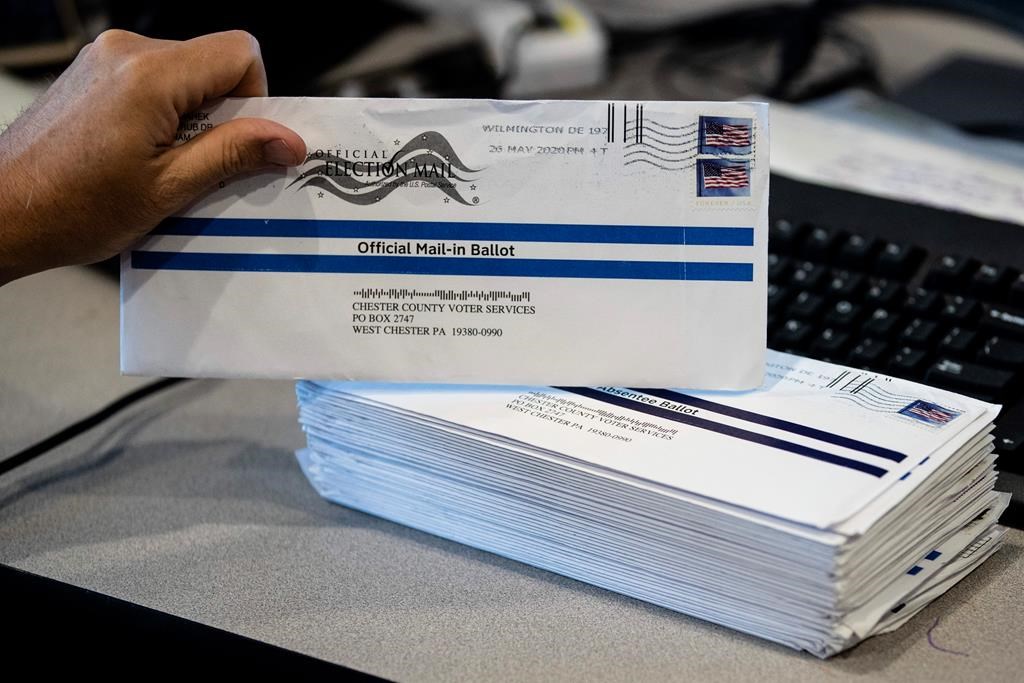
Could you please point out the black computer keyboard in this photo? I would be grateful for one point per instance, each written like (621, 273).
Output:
(849, 298)
(919, 293)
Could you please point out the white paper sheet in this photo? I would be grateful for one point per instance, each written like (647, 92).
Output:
(856, 142)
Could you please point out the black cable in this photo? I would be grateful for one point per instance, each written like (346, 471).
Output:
(799, 40)
(85, 424)
(995, 129)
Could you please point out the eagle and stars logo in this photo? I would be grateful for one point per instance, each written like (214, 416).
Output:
(364, 176)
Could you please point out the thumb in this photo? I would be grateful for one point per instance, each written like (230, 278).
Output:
(229, 149)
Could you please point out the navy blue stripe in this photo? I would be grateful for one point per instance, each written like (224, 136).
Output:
(426, 265)
(428, 230)
(784, 425)
(727, 430)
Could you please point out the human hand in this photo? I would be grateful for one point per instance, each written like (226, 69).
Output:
(89, 168)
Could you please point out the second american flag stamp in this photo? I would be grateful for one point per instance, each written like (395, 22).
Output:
(723, 178)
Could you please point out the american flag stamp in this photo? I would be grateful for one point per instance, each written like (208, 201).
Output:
(723, 178)
(929, 413)
(722, 135)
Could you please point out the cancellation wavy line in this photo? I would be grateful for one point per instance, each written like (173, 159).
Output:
(682, 142)
(662, 136)
(871, 400)
(689, 162)
(431, 150)
(680, 148)
(750, 160)
(692, 163)
(880, 400)
(867, 406)
(882, 396)
(663, 125)
(671, 160)
(665, 129)
(643, 160)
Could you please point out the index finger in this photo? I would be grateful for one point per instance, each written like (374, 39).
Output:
(219, 65)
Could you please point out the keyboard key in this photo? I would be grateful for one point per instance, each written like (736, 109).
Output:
(792, 337)
(785, 236)
(845, 285)
(1009, 440)
(919, 333)
(992, 282)
(808, 275)
(778, 267)
(1003, 321)
(830, 345)
(822, 243)
(1017, 291)
(1002, 351)
(843, 314)
(869, 353)
(1010, 448)
(884, 293)
(858, 251)
(960, 310)
(923, 302)
(950, 272)
(899, 260)
(881, 323)
(806, 306)
(777, 297)
(988, 384)
(908, 363)
(958, 343)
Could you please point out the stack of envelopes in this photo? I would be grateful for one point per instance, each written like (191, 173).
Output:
(828, 506)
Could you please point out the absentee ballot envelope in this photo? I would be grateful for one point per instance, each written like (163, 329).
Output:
(472, 241)
(825, 507)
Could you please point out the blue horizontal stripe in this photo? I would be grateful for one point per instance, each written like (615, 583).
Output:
(776, 423)
(728, 430)
(429, 230)
(426, 265)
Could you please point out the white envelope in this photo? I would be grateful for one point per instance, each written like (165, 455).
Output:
(472, 241)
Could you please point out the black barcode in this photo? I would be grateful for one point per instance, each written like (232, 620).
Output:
(441, 294)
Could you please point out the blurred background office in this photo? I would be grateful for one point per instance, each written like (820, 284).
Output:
(710, 49)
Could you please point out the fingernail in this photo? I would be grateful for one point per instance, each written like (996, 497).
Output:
(279, 153)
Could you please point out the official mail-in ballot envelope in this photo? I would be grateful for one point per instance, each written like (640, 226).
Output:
(474, 241)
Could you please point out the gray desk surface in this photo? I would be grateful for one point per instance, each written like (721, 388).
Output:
(192, 503)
